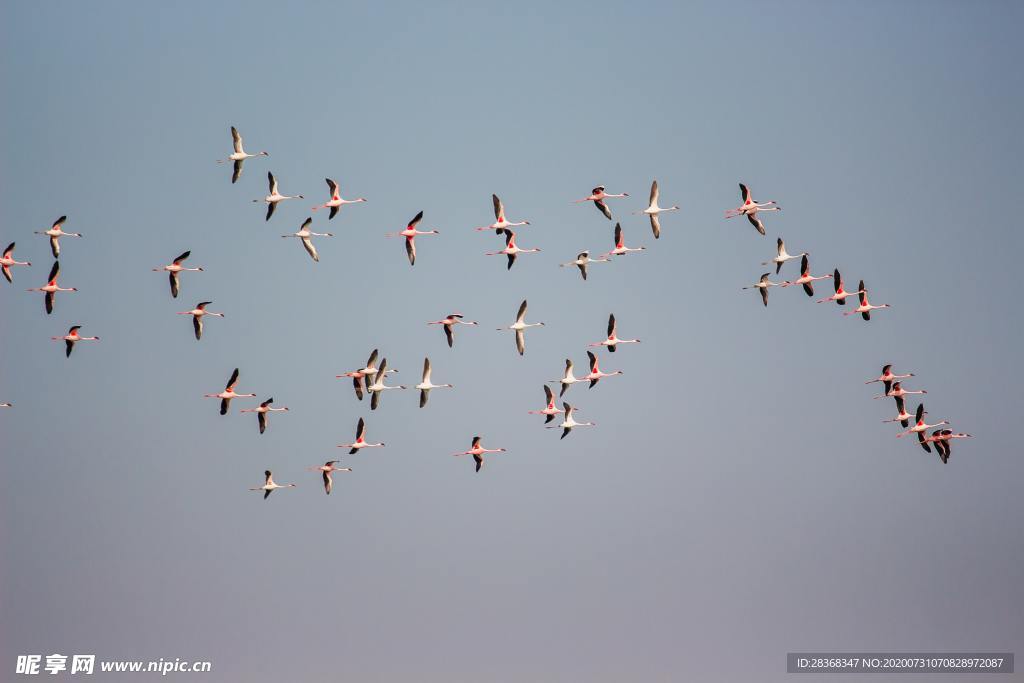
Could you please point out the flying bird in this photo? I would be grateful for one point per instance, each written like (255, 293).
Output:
(449, 322)
(920, 426)
(229, 393)
(363, 375)
(478, 452)
(378, 387)
(263, 411)
(550, 409)
(336, 202)
(902, 416)
(568, 379)
(519, 326)
(598, 195)
(197, 314)
(941, 438)
(269, 486)
(55, 233)
(596, 374)
(782, 256)
(360, 441)
(409, 234)
(569, 422)
(72, 338)
(750, 209)
(7, 260)
(762, 285)
(239, 155)
(865, 306)
(425, 385)
(840, 295)
(173, 269)
(887, 377)
(275, 196)
(306, 235)
(806, 279)
(511, 250)
(500, 222)
(620, 244)
(653, 210)
(327, 469)
(897, 391)
(51, 288)
(582, 261)
(612, 340)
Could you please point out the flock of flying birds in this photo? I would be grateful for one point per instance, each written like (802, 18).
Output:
(371, 378)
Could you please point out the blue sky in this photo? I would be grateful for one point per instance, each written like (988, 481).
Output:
(739, 498)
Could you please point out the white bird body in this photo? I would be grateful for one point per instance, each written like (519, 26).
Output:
(449, 322)
(275, 196)
(306, 235)
(569, 422)
(750, 209)
(197, 314)
(360, 442)
(511, 250)
(72, 338)
(426, 385)
(598, 195)
(582, 261)
(176, 267)
(229, 393)
(805, 278)
(519, 326)
(262, 412)
(51, 288)
(55, 232)
(653, 210)
(336, 201)
(239, 155)
(378, 386)
(620, 244)
(612, 340)
(782, 256)
(865, 306)
(478, 452)
(270, 486)
(762, 286)
(550, 409)
(568, 379)
(7, 261)
(500, 222)
(596, 374)
(326, 470)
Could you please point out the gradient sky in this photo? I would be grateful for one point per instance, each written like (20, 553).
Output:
(740, 497)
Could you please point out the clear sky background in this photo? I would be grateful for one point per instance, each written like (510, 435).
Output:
(740, 496)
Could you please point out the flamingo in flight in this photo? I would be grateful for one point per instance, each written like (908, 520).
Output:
(263, 411)
(55, 233)
(840, 296)
(425, 384)
(620, 244)
(653, 210)
(887, 377)
(598, 195)
(174, 268)
(449, 322)
(549, 410)
(51, 288)
(378, 387)
(568, 379)
(72, 338)
(806, 278)
(336, 202)
(920, 426)
(327, 469)
(364, 374)
(270, 485)
(229, 393)
(275, 196)
(239, 155)
(569, 422)
(941, 438)
(595, 375)
(360, 441)
(519, 326)
(500, 222)
(7, 260)
(582, 261)
(865, 306)
(306, 235)
(409, 234)
(762, 285)
(197, 314)
(612, 339)
(478, 452)
(750, 209)
(511, 250)
(782, 256)
(902, 416)
(897, 391)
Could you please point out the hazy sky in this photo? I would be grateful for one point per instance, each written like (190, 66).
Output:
(740, 497)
